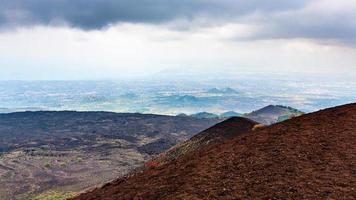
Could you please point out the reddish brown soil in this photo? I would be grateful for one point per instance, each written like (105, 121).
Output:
(226, 129)
(308, 157)
(220, 132)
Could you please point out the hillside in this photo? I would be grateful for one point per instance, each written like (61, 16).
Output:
(309, 157)
(71, 151)
(273, 113)
(220, 132)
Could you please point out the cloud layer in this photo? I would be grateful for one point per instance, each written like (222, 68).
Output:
(93, 14)
(316, 19)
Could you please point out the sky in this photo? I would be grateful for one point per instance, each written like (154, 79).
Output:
(114, 39)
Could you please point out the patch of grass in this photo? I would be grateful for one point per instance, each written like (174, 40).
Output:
(288, 116)
(79, 159)
(25, 196)
(48, 165)
(54, 195)
(63, 164)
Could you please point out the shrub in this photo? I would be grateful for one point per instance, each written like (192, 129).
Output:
(47, 165)
(258, 127)
(151, 164)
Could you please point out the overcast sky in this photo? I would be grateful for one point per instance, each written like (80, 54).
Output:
(113, 39)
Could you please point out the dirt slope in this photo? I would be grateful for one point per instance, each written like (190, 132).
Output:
(308, 157)
(220, 132)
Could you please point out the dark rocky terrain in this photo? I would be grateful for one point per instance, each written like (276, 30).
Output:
(308, 157)
(71, 151)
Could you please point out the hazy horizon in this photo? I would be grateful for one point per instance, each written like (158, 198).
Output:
(172, 97)
(162, 56)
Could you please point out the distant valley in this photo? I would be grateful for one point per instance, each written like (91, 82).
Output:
(241, 95)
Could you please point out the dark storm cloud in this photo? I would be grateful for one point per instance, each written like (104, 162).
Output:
(275, 18)
(94, 14)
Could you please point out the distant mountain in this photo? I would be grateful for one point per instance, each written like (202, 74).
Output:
(207, 115)
(308, 157)
(267, 115)
(187, 98)
(227, 90)
(182, 115)
(273, 113)
(204, 115)
(230, 114)
(230, 91)
(214, 90)
(180, 100)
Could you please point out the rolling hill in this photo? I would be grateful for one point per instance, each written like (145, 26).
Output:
(273, 113)
(204, 115)
(308, 157)
(220, 132)
(267, 115)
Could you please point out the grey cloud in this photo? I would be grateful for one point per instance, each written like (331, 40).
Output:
(96, 14)
(277, 18)
(314, 24)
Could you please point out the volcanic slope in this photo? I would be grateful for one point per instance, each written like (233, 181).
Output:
(216, 134)
(308, 157)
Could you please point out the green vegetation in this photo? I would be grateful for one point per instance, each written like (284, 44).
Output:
(53, 195)
(289, 116)
(63, 164)
(78, 159)
(47, 165)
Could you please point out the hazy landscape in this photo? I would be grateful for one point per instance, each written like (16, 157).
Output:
(175, 97)
(62, 153)
(177, 100)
